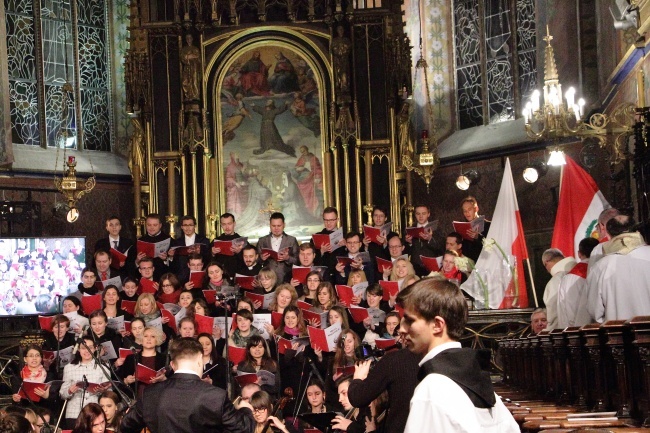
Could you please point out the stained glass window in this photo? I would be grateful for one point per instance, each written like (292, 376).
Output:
(495, 54)
(39, 105)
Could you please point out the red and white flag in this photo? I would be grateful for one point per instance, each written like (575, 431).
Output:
(581, 202)
(499, 272)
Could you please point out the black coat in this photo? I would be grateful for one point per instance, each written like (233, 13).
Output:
(186, 404)
(395, 372)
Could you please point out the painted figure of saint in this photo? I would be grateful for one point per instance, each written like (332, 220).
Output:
(270, 137)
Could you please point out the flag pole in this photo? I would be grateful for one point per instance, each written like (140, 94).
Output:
(532, 283)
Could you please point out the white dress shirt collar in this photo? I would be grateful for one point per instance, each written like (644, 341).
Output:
(441, 347)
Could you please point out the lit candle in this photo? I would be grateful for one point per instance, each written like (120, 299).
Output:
(581, 105)
(535, 100)
(425, 134)
(570, 97)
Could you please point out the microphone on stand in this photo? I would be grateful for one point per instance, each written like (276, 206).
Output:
(314, 369)
(79, 340)
(85, 381)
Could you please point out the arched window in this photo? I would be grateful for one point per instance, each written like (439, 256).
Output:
(495, 59)
(49, 43)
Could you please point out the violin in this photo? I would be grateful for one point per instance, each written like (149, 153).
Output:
(279, 406)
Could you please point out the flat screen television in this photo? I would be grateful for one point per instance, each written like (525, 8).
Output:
(36, 273)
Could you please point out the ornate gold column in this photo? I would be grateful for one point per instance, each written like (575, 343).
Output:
(211, 216)
(408, 209)
(151, 175)
(195, 185)
(329, 178)
(368, 179)
(184, 181)
(171, 196)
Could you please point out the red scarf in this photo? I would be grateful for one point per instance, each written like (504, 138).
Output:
(454, 274)
(169, 298)
(33, 376)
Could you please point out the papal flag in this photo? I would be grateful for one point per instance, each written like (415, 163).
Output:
(581, 202)
(498, 280)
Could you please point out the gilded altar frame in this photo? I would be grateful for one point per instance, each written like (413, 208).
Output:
(219, 54)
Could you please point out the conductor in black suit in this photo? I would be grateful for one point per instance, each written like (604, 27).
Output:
(119, 243)
(185, 403)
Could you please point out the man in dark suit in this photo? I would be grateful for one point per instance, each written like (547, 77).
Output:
(286, 246)
(154, 227)
(184, 403)
(326, 256)
(472, 248)
(199, 243)
(231, 259)
(104, 266)
(119, 243)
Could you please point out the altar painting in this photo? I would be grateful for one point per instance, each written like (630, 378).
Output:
(271, 140)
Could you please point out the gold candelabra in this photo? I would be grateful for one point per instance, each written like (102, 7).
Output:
(560, 116)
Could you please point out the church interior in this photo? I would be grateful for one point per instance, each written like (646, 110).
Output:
(201, 107)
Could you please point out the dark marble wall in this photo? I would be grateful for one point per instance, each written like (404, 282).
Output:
(537, 202)
(108, 198)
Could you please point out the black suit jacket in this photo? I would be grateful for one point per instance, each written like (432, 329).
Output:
(185, 404)
(179, 264)
(129, 268)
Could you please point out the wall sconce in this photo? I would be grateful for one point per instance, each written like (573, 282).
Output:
(470, 177)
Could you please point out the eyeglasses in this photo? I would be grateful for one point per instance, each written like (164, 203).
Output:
(33, 356)
(330, 220)
(259, 410)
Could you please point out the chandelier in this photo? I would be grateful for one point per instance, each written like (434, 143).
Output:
(426, 161)
(68, 184)
(559, 116)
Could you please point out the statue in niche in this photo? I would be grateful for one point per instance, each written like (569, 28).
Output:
(406, 148)
(137, 150)
(190, 76)
(341, 47)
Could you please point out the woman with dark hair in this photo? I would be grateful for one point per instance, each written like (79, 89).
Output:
(344, 356)
(137, 330)
(33, 371)
(87, 285)
(325, 298)
(217, 279)
(73, 311)
(293, 365)
(58, 338)
(244, 331)
(112, 307)
(82, 369)
(215, 366)
(129, 290)
(311, 292)
(169, 289)
(258, 357)
(109, 402)
(149, 357)
(263, 412)
(91, 419)
(101, 333)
